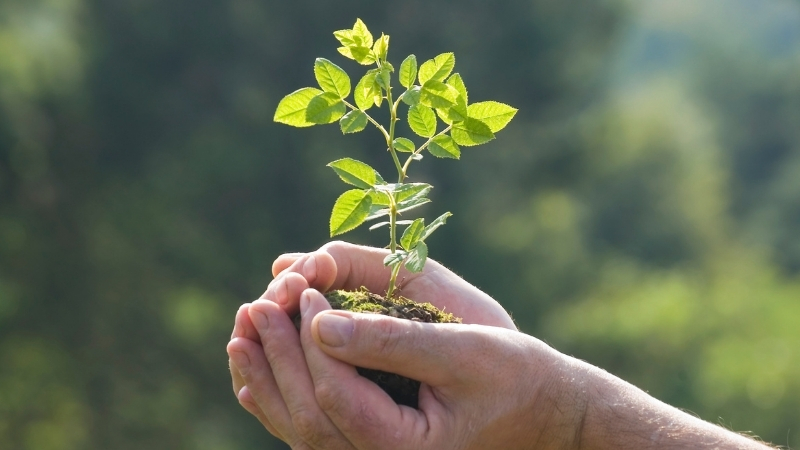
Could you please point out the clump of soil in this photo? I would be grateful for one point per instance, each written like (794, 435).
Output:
(404, 391)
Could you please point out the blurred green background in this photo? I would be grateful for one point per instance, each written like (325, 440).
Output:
(642, 212)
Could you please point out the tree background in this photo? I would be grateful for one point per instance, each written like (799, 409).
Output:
(642, 212)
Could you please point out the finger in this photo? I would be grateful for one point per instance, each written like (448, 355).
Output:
(358, 266)
(249, 404)
(318, 268)
(435, 354)
(248, 357)
(236, 377)
(283, 261)
(243, 326)
(359, 408)
(285, 291)
(282, 348)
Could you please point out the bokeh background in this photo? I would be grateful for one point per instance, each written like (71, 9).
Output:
(642, 212)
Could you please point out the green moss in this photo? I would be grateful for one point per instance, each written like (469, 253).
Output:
(363, 301)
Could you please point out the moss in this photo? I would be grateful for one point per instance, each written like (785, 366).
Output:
(404, 391)
(364, 301)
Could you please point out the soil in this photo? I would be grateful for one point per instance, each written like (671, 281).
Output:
(404, 391)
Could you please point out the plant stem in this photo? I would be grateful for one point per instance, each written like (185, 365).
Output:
(393, 279)
(401, 174)
(393, 246)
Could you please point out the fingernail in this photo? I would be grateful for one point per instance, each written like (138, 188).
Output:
(242, 362)
(335, 330)
(260, 321)
(281, 292)
(237, 330)
(305, 303)
(310, 268)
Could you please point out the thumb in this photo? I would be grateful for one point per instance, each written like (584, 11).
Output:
(435, 354)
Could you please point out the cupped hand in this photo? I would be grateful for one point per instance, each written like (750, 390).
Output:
(483, 387)
(277, 353)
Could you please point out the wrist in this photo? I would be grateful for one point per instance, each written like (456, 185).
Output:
(563, 408)
(621, 416)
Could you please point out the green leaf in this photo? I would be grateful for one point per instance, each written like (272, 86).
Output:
(417, 257)
(325, 108)
(361, 34)
(292, 108)
(379, 198)
(456, 113)
(362, 55)
(395, 258)
(402, 191)
(408, 71)
(443, 146)
(422, 120)
(403, 145)
(381, 47)
(345, 37)
(434, 225)
(471, 132)
(408, 205)
(366, 91)
(437, 68)
(494, 114)
(384, 77)
(353, 122)
(377, 211)
(436, 94)
(456, 81)
(355, 172)
(411, 97)
(412, 191)
(383, 224)
(331, 78)
(412, 234)
(349, 211)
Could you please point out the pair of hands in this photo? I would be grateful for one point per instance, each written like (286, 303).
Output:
(484, 385)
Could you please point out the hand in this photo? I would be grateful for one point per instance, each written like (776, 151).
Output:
(471, 374)
(483, 388)
(340, 265)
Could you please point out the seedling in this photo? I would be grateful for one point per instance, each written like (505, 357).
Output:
(431, 91)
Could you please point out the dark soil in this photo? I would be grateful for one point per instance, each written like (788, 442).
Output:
(404, 391)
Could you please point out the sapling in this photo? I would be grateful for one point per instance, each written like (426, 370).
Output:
(432, 93)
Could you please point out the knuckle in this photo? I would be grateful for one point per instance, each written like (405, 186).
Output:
(387, 335)
(335, 245)
(329, 396)
(307, 425)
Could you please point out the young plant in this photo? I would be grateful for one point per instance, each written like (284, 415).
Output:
(432, 93)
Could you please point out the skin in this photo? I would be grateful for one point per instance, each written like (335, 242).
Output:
(484, 384)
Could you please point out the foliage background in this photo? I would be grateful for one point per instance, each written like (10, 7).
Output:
(642, 212)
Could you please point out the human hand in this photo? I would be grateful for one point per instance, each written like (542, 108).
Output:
(483, 387)
(339, 265)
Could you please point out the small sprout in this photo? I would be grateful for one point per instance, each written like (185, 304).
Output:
(433, 93)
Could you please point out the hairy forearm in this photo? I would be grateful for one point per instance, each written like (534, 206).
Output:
(621, 416)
